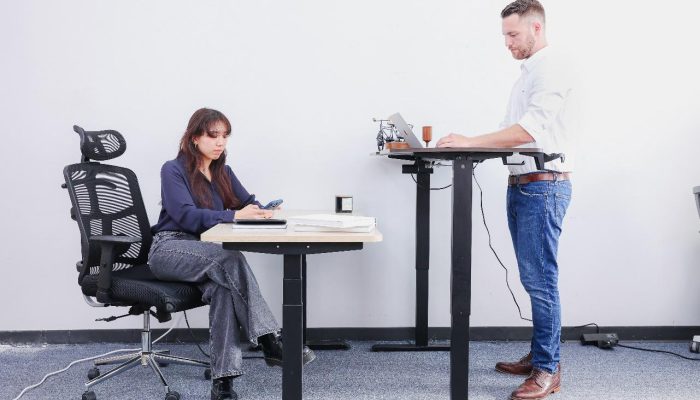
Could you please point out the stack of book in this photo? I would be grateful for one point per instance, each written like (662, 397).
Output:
(332, 223)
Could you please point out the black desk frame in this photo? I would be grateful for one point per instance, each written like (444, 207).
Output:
(463, 162)
(293, 310)
(422, 169)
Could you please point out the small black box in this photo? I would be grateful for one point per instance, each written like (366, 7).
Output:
(602, 340)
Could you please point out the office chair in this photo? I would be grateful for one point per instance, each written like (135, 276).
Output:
(115, 238)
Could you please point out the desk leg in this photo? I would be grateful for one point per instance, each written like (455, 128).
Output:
(461, 276)
(422, 257)
(292, 322)
(422, 271)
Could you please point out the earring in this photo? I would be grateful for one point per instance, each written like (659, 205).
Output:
(195, 144)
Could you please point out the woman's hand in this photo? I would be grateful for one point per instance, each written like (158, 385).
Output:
(252, 211)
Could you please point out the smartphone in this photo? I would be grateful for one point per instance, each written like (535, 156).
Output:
(272, 204)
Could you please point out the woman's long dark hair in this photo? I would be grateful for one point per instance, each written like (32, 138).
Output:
(200, 123)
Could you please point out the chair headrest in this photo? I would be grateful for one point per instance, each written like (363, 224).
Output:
(100, 145)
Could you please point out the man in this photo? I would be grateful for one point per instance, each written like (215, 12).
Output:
(538, 115)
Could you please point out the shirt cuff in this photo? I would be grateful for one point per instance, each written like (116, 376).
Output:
(228, 215)
(536, 129)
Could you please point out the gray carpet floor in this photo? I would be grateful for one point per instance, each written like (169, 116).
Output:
(588, 373)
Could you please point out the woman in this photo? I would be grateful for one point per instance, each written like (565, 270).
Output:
(198, 191)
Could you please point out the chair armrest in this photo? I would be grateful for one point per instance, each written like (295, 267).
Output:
(110, 247)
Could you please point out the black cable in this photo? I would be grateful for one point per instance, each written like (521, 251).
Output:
(488, 232)
(193, 337)
(597, 328)
(440, 188)
(200, 348)
(659, 351)
(434, 164)
(483, 216)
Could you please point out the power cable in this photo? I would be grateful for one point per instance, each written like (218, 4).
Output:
(488, 232)
(658, 351)
(90, 359)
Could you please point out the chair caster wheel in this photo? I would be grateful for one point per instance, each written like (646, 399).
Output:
(89, 396)
(93, 373)
(207, 374)
(172, 396)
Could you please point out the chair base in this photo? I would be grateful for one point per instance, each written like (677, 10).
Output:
(145, 357)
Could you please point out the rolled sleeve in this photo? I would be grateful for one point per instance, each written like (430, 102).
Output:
(546, 101)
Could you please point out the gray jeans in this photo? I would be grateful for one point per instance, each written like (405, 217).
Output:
(228, 286)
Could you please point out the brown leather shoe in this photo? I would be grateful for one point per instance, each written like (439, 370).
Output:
(520, 367)
(538, 385)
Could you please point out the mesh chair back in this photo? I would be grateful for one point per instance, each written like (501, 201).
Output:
(107, 200)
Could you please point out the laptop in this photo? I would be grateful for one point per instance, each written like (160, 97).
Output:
(405, 131)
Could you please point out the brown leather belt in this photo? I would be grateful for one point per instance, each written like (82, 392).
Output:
(536, 177)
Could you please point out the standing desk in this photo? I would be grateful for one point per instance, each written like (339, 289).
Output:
(293, 246)
(463, 162)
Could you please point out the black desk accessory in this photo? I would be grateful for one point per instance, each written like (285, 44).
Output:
(602, 340)
(343, 204)
(260, 221)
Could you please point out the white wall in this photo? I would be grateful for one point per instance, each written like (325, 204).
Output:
(300, 82)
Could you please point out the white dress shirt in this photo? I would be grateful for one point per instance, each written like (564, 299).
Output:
(541, 103)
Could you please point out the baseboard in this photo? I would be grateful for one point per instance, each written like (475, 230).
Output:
(658, 333)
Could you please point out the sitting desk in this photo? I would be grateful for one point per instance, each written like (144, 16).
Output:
(293, 246)
(463, 161)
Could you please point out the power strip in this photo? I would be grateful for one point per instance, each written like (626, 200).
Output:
(602, 340)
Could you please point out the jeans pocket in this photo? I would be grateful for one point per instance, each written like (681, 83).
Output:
(561, 203)
(534, 188)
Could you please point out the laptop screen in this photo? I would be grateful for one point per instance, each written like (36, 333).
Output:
(405, 131)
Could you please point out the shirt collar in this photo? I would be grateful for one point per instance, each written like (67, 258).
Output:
(529, 64)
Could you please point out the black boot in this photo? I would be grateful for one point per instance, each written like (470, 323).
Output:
(272, 349)
(222, 389)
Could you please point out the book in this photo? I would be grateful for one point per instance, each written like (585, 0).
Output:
(333, 220)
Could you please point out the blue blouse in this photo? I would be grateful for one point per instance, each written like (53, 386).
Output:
(181, 213)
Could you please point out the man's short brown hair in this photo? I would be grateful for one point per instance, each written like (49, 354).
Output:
(524, 8)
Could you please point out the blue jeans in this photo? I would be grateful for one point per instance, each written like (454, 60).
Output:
(535, 214)
(228, 286)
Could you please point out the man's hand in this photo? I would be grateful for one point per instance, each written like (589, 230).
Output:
(252, 211)
(454, 140)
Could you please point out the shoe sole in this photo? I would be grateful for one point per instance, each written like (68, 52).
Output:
(555, 390)
(274, 362)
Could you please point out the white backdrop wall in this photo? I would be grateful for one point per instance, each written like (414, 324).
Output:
(300, 81)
